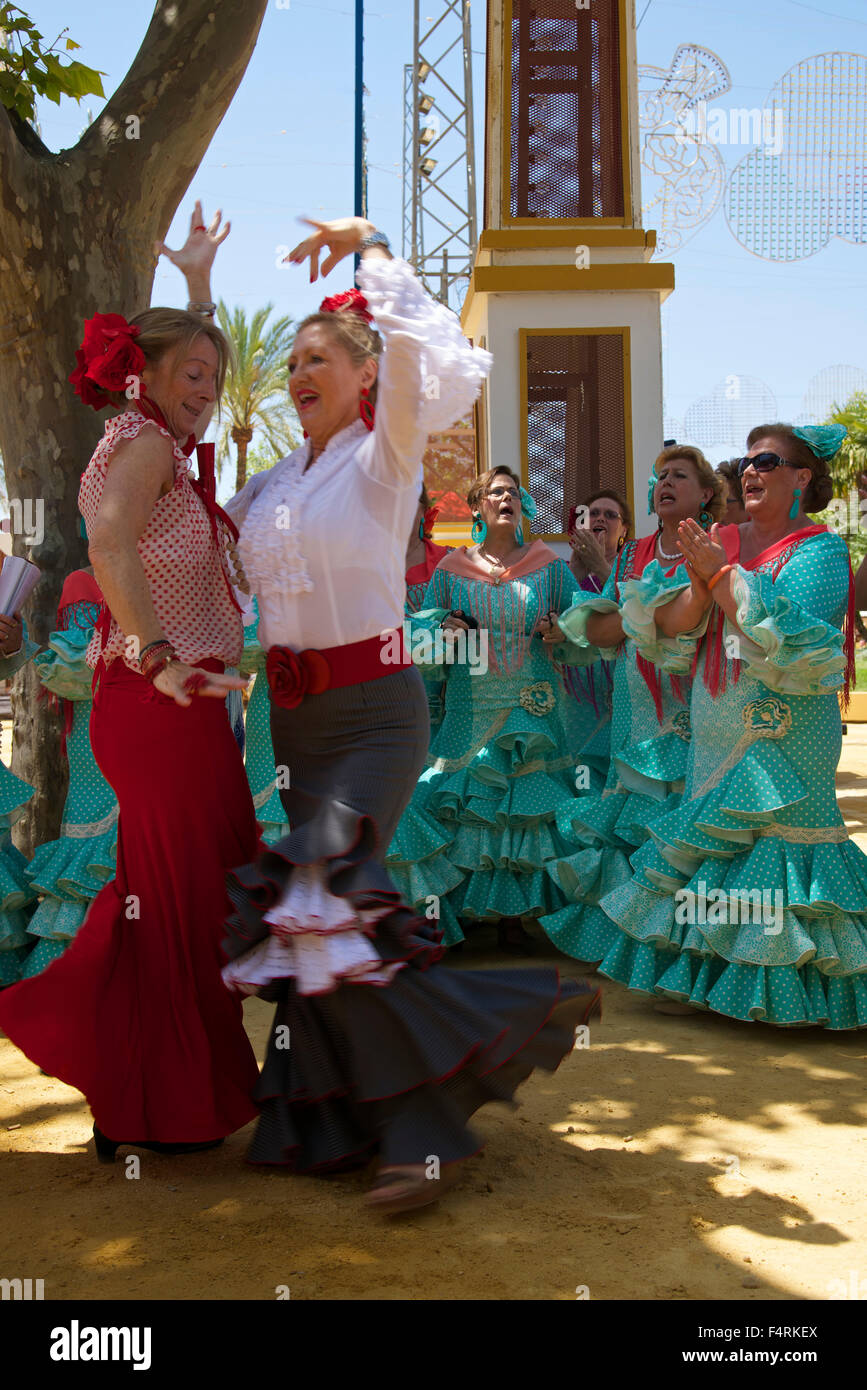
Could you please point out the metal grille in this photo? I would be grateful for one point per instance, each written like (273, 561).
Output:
(449, 470)
(565, 110)
(576, 435)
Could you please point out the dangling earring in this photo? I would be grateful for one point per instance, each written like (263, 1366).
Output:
(704, 519)
(519, 534)
(366, 409)
(421, 529)
(479, 532)
(796, 504)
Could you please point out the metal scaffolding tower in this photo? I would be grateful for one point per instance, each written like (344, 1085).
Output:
(439, 180)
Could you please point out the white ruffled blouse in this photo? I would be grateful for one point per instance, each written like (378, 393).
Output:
(324, 551)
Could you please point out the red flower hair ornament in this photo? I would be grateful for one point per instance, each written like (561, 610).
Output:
(108, 356)
(351, 302)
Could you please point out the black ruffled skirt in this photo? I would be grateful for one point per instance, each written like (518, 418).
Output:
(377, 1048)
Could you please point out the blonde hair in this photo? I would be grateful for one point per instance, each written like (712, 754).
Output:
(483, 482)
(705, 471)
(351, 332)
(173, 331)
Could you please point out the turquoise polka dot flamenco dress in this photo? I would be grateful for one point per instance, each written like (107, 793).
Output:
(758, 822)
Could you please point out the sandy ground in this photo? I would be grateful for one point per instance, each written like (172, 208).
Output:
(673, 1159)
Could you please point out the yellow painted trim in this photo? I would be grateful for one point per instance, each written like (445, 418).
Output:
(549, 237)
(625, 16)
(624, 332)
(517, 279)
(652, 277)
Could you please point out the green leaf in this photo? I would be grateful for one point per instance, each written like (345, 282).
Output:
(71, 45)
(80, 81)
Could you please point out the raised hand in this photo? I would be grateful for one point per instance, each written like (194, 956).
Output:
(588, 550)
(703, 552)
(342, 237)
(196, 256)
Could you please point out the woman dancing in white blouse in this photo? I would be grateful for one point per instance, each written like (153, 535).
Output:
(373, 1052)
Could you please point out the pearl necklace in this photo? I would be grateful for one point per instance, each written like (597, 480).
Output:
(676, 556)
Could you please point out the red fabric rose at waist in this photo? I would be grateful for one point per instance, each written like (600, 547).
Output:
(292, 675)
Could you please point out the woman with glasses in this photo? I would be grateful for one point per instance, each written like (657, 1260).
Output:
(598, 531)
(649, 731)
(751, 900)
(492, 809)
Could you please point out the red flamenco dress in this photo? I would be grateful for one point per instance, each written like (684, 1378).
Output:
(134, 1014)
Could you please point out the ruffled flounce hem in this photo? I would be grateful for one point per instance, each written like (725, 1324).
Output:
(779, 923)
(14, 796)
(580, 931)
(15, 890)
(57, 919)
(320, 881)
(11, 963)
(783, 995)
(73, 866)
(316, 938)
(477, 841)
(41, 956)
(13, 929)
(399, 1071)
(395, 1069)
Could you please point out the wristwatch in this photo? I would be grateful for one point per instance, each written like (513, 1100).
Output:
(375, 239)
(195, 307)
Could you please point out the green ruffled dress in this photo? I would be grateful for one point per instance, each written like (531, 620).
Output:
(750, 899)
(68, 872)
(258, 750)
(493, 810)
(16, 894)
(650, 737)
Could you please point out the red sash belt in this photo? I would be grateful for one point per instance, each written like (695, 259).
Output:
(292, 675)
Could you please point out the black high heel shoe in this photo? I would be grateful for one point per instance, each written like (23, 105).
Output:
(107, 1148)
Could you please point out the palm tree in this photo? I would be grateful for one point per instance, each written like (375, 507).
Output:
(851, 462)
(255, 395)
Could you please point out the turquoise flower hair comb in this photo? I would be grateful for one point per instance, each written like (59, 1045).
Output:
(653, 480)
(528, 506)
(822, 440)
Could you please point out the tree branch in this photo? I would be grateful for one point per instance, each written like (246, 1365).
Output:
(27, 137)
(178, 89)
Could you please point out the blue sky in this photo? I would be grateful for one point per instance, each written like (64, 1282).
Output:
(285, 148)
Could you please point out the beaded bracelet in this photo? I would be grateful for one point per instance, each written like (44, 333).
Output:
(153, 651)
(156, 658)
(720, 574)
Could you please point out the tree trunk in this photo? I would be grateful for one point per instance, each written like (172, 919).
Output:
(76, 236)
(242, 438)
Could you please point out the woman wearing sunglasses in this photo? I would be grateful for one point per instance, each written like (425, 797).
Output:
(649, 730)
(750, 900)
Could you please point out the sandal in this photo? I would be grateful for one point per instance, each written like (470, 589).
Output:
(400, 1189)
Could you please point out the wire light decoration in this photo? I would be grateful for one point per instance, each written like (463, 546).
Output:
(789, 205)
(683, 175)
